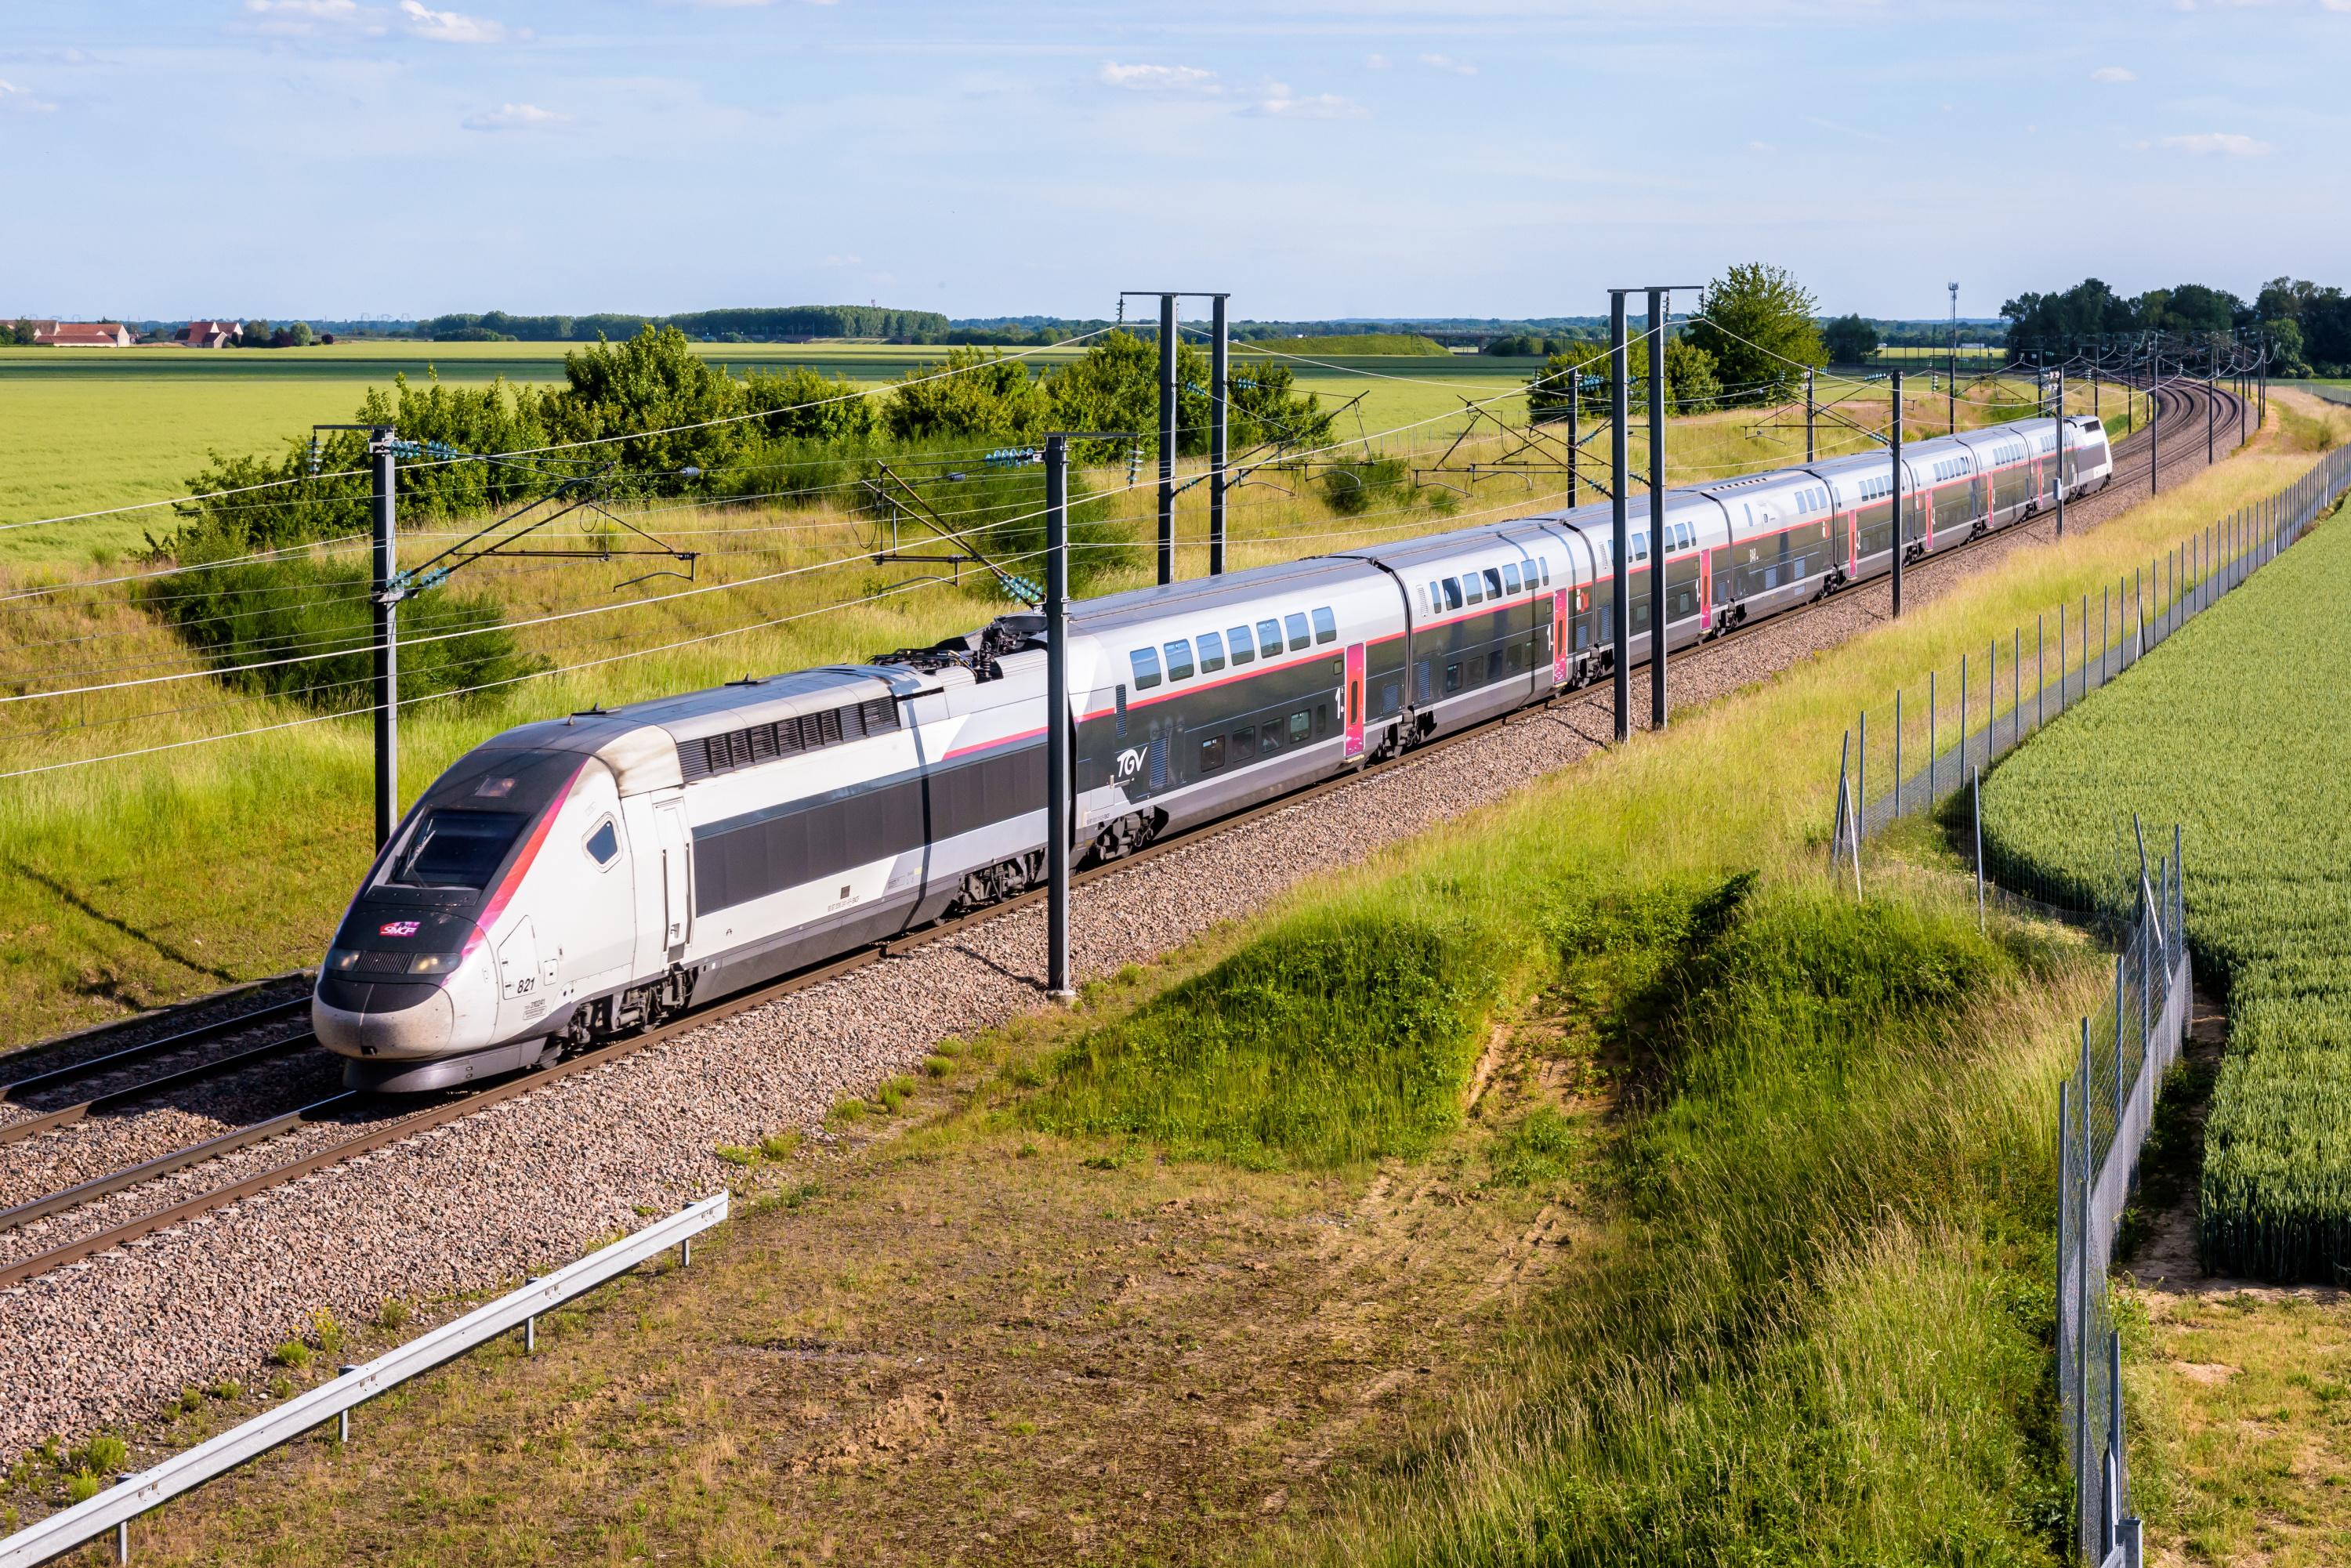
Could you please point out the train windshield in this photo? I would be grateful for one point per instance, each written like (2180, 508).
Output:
(455, 849)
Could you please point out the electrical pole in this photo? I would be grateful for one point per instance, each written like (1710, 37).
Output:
(1808, 418)
(2155, 426)
(1167, 405)
(1951, 381)
(1896, 447)
(1057, 713)
(1620, 537)
(2211, 396)
(1219, 435)
(1575, 402)
(2060, 452)
(384, 598)
(1658, 508)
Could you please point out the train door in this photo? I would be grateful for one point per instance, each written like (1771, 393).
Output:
(677, 874)
(1354, 743)
(518, 964)
(1559, 634)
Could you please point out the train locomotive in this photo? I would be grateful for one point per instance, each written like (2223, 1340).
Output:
(578, 878)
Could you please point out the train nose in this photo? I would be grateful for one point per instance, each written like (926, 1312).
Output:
(398, 1019)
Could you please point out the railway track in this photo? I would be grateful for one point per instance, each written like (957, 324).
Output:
(2181, 406)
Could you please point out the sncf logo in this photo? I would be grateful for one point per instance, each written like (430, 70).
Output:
(397, 928)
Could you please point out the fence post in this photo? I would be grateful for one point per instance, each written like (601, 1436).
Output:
(2081, 1368)
(2015, 687)
(1860, 775)
(1933, 757)
(2118, 1489)
(1977, 785)
(1963, 716)
(2061, 642)
(1837, 828)
(2039, 666)
(1897, 754)
(2064, 1221)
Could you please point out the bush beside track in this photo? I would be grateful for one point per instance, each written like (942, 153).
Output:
(2225, 729)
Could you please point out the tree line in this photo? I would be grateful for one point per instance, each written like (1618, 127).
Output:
(2308, 325)
(737, 325)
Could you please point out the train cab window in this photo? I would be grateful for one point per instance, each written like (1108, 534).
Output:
(1493, 583)
(455, 849)
(604, 845)
(1212, 653)
(1212, 754)
(1452, 593)
(1326, 626)
(1299, 635)
(1299, 723)
(1268, 638)
(1242, 652)
(1511, 578)
(1179, 659)
(1245, 743)
(1146, 668)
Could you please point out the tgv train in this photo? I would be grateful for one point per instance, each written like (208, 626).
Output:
(581, 877)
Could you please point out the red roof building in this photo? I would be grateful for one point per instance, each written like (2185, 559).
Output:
(84, 335)
(209, 334)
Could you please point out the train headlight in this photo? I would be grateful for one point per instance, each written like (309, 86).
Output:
(434, 962)
(342, 960)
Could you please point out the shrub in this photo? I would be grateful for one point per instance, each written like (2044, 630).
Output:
(393, 1314)
(104, 1454)
(293, 1354)
(1353, 488)
(82, 1487)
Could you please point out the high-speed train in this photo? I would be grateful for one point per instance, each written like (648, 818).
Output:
(578, 878)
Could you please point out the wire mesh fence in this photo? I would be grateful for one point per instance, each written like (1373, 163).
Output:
(1916, 755)
(2105, 1110)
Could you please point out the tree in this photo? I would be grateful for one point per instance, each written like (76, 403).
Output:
(255, 335)
(1850, 339)
(1693, 381)
(976, 393)
(1757, 325)
(803, 405)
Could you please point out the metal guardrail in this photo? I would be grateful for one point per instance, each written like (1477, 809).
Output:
(115, 1509)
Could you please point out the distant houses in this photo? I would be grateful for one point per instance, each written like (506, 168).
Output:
(78, 334)
(209, 334)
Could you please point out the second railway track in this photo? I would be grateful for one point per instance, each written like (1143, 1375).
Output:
(315, 1123)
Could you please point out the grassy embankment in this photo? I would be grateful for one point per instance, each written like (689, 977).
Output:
(1795, 1148)
(136, 882)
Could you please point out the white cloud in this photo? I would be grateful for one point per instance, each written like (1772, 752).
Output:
(1159, 78)
(1448, 63)
(310, 18)
(1760, 147)
(516, 117)
(15, 99)
(2113, 74)
(452, 26)
(2229, 143)
(1381, 62)
(1281, 103)
(844, 261)
(315, 10)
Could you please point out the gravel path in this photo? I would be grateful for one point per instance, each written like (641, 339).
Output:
(541, 1177)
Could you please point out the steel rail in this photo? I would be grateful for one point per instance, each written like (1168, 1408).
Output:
(219, 1067)
(36, 1082)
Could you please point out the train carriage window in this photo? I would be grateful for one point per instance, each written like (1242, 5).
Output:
(1242, 652)
(1322, 720)
(1430, 596)
(1299, 635)
(1146, 668)
(1473, 591)
(1245, 743)
(1299, 723)
(1268, 638)
(1493, 583)
(604, 845)
(1453, 593)
(1640, 543)
(1546, 566)
(1509, 577)
(1452, 678)
(1212, 754)
(1268, 739)
(1212, 653)
(1179, 659)
(1326, 626)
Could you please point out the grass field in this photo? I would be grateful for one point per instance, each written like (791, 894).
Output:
(2261, 789)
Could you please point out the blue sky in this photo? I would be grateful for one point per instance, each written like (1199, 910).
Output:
(329, 158)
